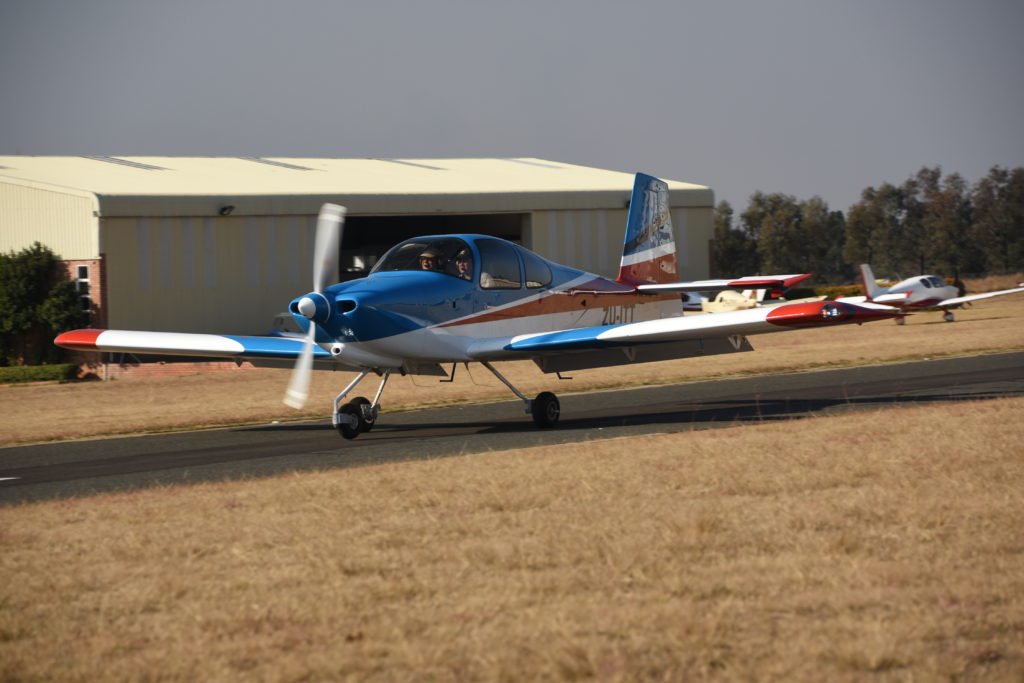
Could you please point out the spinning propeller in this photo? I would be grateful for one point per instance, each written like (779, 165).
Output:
(325, 255)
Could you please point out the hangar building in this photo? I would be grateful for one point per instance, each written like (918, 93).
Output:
(223, 244)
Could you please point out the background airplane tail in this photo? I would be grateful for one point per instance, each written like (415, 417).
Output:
(649, 249)
(867, 282)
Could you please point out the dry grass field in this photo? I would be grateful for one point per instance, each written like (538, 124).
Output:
(62, 411)
(872, 546)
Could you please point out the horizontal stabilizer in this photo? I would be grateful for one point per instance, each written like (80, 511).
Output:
(778, 283)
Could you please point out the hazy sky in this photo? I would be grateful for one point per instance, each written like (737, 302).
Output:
(799, 96)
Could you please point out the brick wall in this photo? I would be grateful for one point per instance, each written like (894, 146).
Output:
(92, 286)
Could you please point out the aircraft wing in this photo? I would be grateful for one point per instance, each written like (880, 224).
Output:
(973, 297)
(669, 338)
(187, 344)
(773, 282)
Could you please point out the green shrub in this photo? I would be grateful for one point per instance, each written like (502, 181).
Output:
(37, 373)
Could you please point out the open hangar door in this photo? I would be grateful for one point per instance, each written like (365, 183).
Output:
(367, 238)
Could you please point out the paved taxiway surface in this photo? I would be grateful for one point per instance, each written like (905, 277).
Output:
(44, 471)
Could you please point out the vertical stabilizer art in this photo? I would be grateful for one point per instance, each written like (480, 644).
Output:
(649, 249)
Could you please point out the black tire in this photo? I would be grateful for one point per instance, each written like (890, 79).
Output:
(347, 431)
(546, 410)
(368, 418)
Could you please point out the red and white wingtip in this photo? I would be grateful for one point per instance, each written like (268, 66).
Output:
(79, 340)
(809, 313)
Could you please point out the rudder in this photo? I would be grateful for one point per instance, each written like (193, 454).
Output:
(867, 282)
(649, 248)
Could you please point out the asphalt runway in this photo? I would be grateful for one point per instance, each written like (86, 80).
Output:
(39, 472)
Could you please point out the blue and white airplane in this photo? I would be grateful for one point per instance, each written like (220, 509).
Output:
(472, 298)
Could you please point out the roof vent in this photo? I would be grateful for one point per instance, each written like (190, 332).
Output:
(126, 162)
(280, 164)
(532, 163)
(411, 163)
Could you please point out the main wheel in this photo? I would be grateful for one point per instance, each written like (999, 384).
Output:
(948, 316)
(546, 409)
(368, 417)
(353, 411)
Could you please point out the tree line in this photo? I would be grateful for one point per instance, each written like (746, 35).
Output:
(929, 223)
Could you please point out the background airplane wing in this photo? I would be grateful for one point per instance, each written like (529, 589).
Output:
(972, 297)
(187, 344)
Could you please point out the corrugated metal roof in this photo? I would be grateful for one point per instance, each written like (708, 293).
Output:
(127, 186)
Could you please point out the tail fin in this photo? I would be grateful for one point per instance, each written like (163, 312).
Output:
(649, 250)
(867, 282)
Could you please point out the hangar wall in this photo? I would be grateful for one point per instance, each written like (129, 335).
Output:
(62, 219)
(204, 274)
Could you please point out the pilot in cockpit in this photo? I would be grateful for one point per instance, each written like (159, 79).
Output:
(464, 265)
(428, 260)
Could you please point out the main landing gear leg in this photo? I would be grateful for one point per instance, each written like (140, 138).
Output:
(359, 415)
(544, 409)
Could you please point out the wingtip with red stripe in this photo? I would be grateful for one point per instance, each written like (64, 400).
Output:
(817, 312)
(80, 340)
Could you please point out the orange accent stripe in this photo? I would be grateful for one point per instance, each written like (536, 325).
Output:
(564, 303)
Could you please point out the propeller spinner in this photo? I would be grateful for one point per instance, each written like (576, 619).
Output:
(329, 226)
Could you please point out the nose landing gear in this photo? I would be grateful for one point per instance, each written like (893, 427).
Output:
(360, 414)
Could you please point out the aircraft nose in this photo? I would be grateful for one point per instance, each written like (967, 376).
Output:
(313, 307)
(307, 307)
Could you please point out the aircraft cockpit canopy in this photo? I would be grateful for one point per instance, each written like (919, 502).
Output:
(448, 255)
(499, 261)
(932, 281)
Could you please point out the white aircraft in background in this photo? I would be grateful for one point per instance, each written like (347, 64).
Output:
(922, 291)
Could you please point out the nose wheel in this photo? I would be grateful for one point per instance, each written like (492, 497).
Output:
(360, 414)
(356, 417)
